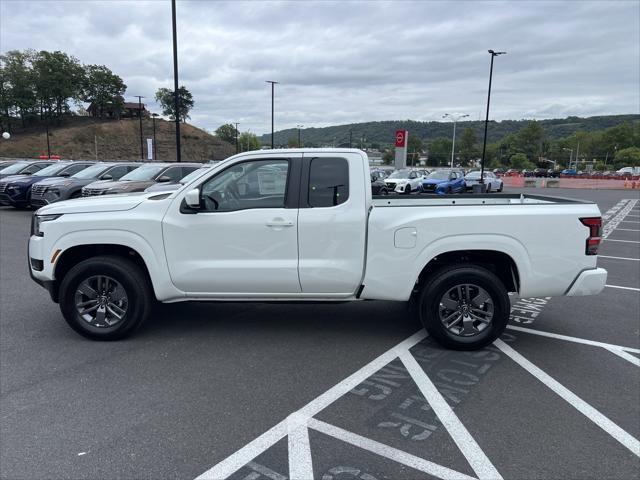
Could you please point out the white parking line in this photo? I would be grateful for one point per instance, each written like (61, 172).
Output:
(573, 339)
(623, 241)
(620, 258)
(241, 457)
(615, 215)
(387, 451)
(465, 442)
(628, 229)
(624, 288)
(627, 356)
(629, 221)
(622, 436)
(300, 464)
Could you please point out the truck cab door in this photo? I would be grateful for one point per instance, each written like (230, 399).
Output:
(332, 222)
(243, 239)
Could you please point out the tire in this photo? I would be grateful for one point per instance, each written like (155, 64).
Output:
(477, 284)
(449, 191)
(383, 191)
(501, 187)
(407, 190)
(81, 285)
(489, 188)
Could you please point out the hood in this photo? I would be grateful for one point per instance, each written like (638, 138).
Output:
(164, 187)
(433, 181)
(131, 186)
(13, 178)
(396, 180)
(102, 203)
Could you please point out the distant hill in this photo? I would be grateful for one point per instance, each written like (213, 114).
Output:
(383, 132)
(75, 138)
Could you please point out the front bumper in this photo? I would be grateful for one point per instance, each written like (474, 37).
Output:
(588, 282)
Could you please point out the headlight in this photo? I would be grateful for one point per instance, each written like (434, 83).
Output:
(38, 220)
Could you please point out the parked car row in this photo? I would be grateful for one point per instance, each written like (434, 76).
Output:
(441, 182)
(36, 183)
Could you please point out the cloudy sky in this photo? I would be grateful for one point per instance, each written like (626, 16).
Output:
(343, 62)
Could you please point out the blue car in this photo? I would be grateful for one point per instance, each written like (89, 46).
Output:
(569, 171)
(443, 182)
(15, 190)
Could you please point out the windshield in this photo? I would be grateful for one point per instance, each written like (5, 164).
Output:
(144, 173)
(52, 169)
(15, 168)
(400, 174)
(91, 172)
(194, 174)
(441, 175)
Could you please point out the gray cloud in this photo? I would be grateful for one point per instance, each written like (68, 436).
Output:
(342, 62)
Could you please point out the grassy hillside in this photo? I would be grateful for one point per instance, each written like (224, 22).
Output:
(117, 140)
(383, 133)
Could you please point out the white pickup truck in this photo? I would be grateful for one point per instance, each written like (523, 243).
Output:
(302, 225)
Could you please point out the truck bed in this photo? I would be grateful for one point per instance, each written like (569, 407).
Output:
(431, 200)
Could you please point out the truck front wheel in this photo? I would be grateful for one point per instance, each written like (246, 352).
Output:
(105, 298)
(464, 307)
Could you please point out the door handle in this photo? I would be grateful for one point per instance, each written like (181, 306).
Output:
(280, 223)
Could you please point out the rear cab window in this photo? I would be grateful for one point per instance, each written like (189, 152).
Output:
(328, 182)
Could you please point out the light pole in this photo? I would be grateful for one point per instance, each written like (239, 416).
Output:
(237, 146)
(486, 121)
(455, 119)
(155, 145)
(273, 83)
(140, 97)
(176, 101)
(570, 150)
(299, 127)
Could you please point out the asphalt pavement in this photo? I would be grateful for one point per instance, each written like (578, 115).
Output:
(189, 394)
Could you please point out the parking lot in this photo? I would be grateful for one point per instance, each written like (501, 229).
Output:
(351, 391)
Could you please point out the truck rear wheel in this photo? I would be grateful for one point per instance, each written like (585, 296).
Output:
(105, 298)
(464, 307)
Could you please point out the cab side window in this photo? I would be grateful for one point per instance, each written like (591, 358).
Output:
(73, 169)
(117, 172)
(328, 182)
(174, 174)
(247, 185)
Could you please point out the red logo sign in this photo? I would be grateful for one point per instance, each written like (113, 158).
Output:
(401, 138)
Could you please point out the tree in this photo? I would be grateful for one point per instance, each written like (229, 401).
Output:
(292, 142)
(103, 88)
(414, 150)
(58, 77)
(248, 141)
(628, 157)
(227, 132)
(165, 97)
(468, 151)
(19, 96)
(520, 161)
(440, 152)
(530, 140)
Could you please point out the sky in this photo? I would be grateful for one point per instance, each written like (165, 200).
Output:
(345, 62)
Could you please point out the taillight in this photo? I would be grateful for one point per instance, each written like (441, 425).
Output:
(594, 224)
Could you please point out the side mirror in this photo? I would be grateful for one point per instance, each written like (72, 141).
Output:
(192, 198)
(164, 179)
(106, 176)
(65, 174)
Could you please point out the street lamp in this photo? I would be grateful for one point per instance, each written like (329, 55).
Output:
(155, 145)
(486, 121)
(140, 97)
(299, 127)
(455, 119)
(570, 155)
(273, 83)
(176, 101)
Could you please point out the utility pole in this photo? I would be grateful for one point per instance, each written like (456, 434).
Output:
(176, 99)
(140, 97)
(95, 144)
(48, 145)
(237, 145)
(486, 121)
(299, 127)
(273, 83)
(155, 145)
(453, 142)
